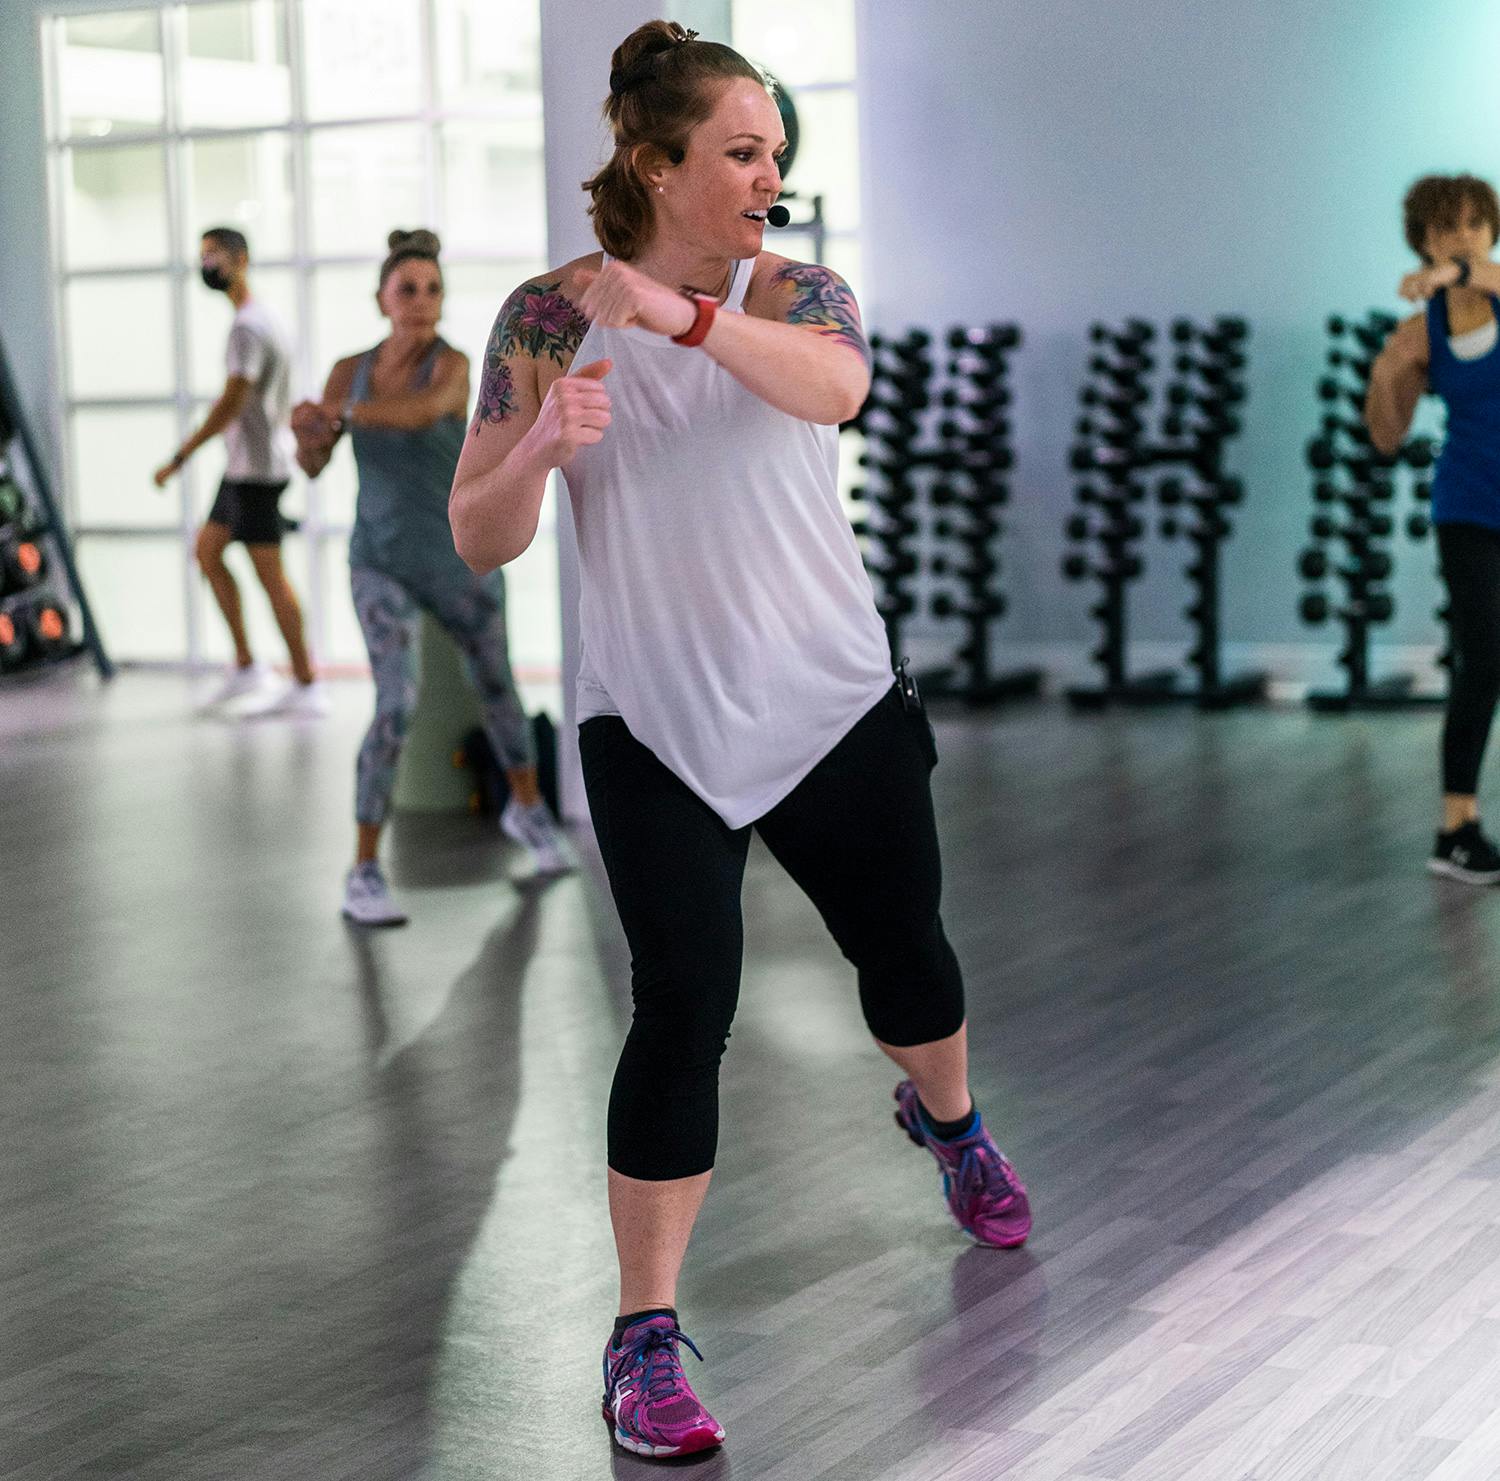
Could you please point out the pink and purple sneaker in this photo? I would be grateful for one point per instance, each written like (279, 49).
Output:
(647, 1396)
(986, 1198)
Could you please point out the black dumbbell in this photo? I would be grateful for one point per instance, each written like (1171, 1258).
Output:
(1374, 606)
(1182, 395)
(985, 405)
(1203, 429)
(1313, 608)
(944, 605)
(896, 566)
(1114, 434)
(1222, 371)
(1372, 526)
(990, 336)
(1119, 402)
(1357, 365)
(1124, 370)
(1128, 338)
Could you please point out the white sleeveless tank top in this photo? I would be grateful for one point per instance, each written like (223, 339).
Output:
(725, 612)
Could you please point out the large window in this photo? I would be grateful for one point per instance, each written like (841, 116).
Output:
(809, 48)
(315, 126)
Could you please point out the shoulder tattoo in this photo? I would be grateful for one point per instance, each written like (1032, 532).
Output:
(538, 320)
(822, 299)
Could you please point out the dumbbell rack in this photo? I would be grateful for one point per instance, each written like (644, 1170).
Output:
(1202, 399)
(931, 498)
(1357, 483)
(891, 421)
(974, 458)
(34, 624)
(1115, 456)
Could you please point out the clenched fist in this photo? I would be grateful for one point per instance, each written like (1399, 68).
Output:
(574, 414)
(622, 297)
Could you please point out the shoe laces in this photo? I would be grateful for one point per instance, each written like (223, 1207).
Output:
(655, 1351)
(983, 1170)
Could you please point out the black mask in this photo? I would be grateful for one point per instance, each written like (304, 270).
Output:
(216, 278)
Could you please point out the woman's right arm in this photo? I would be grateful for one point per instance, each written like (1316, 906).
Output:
(1397, 380)
(521, 431)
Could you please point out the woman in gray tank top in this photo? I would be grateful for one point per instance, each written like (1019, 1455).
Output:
(404, 405)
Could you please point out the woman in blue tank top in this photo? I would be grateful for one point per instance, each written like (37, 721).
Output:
(404, 404)
(1451, 349)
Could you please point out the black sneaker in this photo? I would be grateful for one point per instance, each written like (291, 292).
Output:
(1466, 854)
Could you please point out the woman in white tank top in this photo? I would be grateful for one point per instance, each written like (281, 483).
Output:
(735, 673)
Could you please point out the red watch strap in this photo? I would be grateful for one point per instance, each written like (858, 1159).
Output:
(704, 309)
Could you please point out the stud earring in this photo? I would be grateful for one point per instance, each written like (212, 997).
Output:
(661, 190)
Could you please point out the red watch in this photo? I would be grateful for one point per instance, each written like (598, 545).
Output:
(704, 309)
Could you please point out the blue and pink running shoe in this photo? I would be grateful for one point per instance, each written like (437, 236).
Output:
(647, 1396)
(986, 1198)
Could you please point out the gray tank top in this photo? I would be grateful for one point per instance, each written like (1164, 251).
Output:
(405, 475)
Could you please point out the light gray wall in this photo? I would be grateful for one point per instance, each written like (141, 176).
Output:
(1095, 158)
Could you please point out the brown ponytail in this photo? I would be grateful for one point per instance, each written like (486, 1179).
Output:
(661, 87)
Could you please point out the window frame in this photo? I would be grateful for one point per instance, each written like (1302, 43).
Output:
(179, 271)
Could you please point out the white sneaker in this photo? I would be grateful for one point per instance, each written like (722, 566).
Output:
(367, 898)
(235, 684)
(535, 829)
(295, 700)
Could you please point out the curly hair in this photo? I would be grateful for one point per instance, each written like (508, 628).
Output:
(1439, 200)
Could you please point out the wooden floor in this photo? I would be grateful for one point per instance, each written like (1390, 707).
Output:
(282, 1200)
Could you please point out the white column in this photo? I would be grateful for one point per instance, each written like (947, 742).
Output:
(578, 37)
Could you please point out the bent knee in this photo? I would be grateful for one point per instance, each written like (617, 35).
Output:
(209, 550)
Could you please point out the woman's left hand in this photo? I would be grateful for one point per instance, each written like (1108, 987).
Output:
(1419, 286)
(621, 297)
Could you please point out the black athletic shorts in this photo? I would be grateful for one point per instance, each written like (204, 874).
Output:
(250, 510)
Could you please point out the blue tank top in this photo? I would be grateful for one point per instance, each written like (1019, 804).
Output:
(405, 475)
(1466, 481)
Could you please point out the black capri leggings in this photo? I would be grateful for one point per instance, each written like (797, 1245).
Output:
(857, 834)
(1470, 557)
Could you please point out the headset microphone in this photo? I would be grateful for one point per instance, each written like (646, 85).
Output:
(778, 216)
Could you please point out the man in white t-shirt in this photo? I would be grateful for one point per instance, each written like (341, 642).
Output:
(254, 415)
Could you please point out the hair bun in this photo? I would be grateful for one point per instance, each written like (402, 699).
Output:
(419, 240)
(636, 58)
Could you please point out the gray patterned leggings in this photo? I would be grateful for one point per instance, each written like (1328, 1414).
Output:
(473, 615)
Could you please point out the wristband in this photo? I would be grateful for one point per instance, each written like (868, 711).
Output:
(1462, 264)
(704, 309)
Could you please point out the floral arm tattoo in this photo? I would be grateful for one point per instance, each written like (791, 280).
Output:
(536, 320)
(822, 299)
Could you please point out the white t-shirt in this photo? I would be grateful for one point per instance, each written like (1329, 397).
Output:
(726, 615)
(259, 440)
